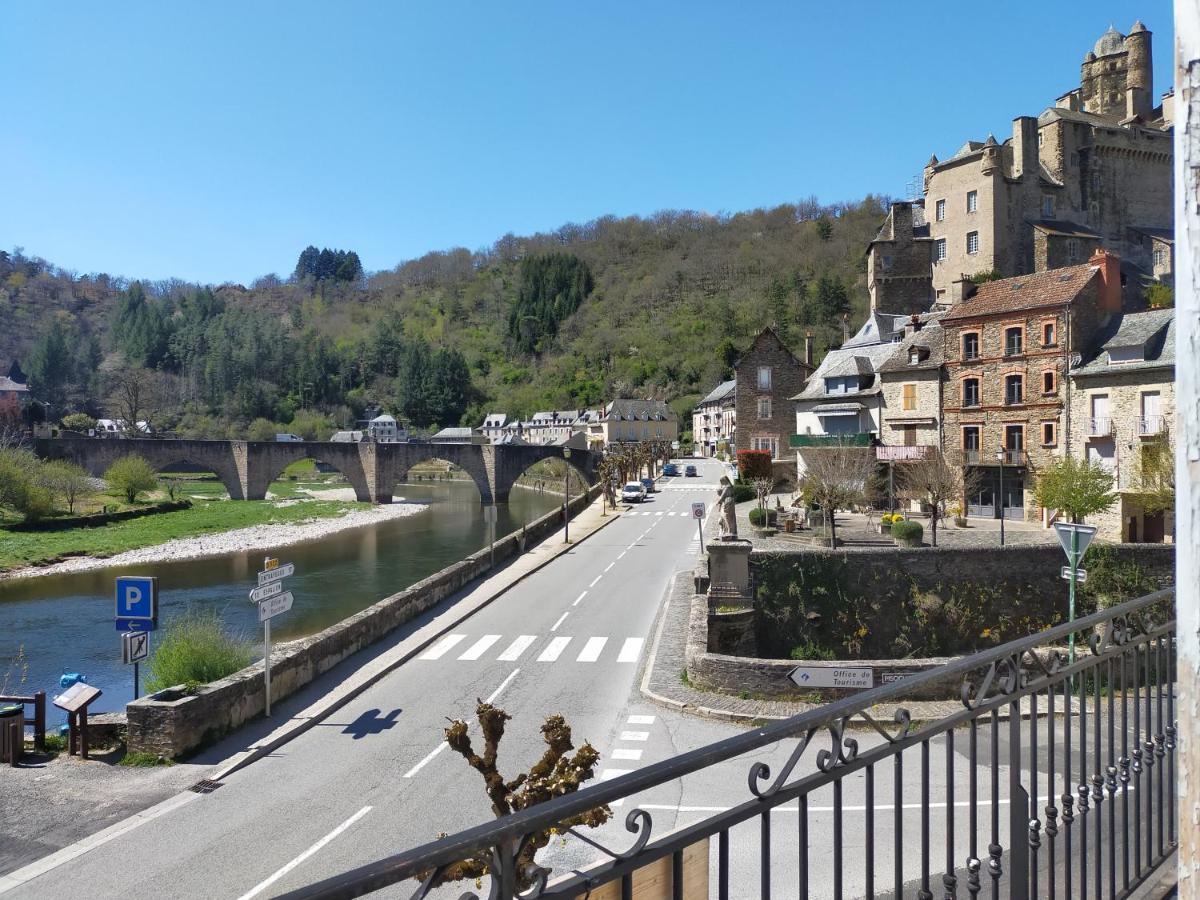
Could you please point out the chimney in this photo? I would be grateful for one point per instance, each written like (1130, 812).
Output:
(914, 323)
(808, 349)
(1109, 265)
(1025, 146)
(962, 288)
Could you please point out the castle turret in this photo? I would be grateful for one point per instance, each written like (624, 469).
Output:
(1139, 79)
(929, 167)
(991, 156)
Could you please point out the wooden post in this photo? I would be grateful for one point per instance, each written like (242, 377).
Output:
(39, 721)
(1187, 456)
(16, 740)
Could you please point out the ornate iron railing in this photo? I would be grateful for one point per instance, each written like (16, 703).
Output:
(1080, 747)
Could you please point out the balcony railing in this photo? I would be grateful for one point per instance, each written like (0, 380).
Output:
(1099, 427)
(1037, 804)
(1014, 457)
(902, 453)
(971, 458)
(1148, 426)
(1013, 349)
(850, 439)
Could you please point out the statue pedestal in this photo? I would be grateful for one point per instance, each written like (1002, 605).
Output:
(729, 565)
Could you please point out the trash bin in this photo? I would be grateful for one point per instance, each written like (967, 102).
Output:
(12, 744)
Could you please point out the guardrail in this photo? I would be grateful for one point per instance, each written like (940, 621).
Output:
(1085, 775)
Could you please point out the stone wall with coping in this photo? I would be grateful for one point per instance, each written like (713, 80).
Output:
(172, 723)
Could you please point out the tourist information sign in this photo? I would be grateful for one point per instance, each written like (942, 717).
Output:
(833, 676)
(1075, 539)
(272, 600)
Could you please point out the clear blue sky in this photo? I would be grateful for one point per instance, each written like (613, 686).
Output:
(213, 141)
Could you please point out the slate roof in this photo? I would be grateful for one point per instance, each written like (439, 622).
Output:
(720, 392)
(878, 328)
(1159, 234)
(1041, 289)
(639, 411)
(929, 339)
(1065, 228)
(7, 384)
(1153, 329)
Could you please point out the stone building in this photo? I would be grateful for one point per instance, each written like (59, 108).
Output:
(1094, 170)
(911, 384)
(1006, 347)
(633, 421)
(1122, 407)
(714, 420)
(766, 377)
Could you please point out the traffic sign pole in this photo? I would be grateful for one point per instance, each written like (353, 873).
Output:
(1071, 594)
(267, 662)
(135, 681)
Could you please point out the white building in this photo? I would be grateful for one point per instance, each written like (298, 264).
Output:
(386, 430)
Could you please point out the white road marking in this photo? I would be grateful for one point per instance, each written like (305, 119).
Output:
(517, 647)
(635, 736)
(591, 650)
(554, 627)
(442, 746)
(630, 650)
(266, 883)
(580, 597)
(442, 647)
(641, 720)
(478, 648)
(622, 553)
(622, 753)
(609, 566)
(594, 580)
(554, 649)
(659, 513)
(613, 773)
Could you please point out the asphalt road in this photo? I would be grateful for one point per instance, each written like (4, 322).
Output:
(376, 777)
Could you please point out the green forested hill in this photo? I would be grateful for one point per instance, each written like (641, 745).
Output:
(639, 306)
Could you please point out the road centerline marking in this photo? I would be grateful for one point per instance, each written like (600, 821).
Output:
(442, 746)
(594, 580)
(609, 566)
(622, 553)
(554, 627)
(266, 883)
(580, 597)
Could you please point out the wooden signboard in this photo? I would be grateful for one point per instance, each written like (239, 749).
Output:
(76, 697)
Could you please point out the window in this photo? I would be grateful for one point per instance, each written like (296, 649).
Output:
(764, 378)
(1047, 334)
(887, 264)
(970, 437)
(939, 211)
(1048, 436)
(971, 345)
(1072, 250)
(970, 392)
(1041, 138)
(972, 241)
(764, 407)
(939, 249)
(909, 397)
(1048, 382)
(764, 443)
(1013, 341)
(972, 201)
(1014, 437)
(1047, 206)
(1160, 257)
(1013, 389)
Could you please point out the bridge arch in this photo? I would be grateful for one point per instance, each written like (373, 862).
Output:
(267, 461)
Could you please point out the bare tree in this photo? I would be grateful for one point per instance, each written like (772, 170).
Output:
(836, 477)
(933, 480)
(136, 395)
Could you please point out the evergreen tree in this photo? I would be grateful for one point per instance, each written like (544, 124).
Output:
(550, 288)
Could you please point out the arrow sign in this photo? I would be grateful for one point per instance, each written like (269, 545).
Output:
(1083, 534)
(276, 574)
(833, 676)
(273, 606)
(1080, 574)
(267, 590)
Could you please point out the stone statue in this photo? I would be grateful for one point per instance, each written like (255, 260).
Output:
(728, 521)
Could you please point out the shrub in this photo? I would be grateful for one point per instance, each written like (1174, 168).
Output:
(23, 485)
(78, 421)
(905, 530)
(67, 480)
(754, 464)
(762, 518)
(742, 493)
(196, 649)
(131, 475)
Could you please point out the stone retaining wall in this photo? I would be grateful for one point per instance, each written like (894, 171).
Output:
(172, 723)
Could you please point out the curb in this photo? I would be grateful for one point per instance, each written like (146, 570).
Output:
(335, 699)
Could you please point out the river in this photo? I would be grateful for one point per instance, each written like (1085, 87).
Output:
(65, 622)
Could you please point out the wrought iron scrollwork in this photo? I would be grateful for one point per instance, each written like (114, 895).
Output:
(902, 717)
(761, 771)
(843, 751)
(1005, 676)
(637, 823)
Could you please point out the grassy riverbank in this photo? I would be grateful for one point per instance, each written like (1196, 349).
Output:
(19, 549)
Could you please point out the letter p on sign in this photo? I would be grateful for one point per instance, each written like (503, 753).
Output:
(137, 597)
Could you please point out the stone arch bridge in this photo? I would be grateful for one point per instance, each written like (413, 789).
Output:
(247, 468)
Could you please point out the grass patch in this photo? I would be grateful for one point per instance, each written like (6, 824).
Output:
(31, 548)
(145, 760)
(55, 743)
(196, 649)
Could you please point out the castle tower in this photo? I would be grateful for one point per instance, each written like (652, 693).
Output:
(1102, 82)
(1139, 79)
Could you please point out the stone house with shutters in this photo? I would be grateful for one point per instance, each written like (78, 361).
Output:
(766, 377)
(911, 382)
(1122, 407)
(714, 420)
(1006, 401)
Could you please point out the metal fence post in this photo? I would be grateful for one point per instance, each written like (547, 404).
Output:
(1018, 811)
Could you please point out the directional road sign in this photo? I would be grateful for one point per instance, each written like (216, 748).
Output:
(1080, 574)
(124, 625)
(135, 646)
(273, 606)
(267, 590)
(275, 574)
(697, 510)
(137, 597)
(1083, 537)
(833, 676)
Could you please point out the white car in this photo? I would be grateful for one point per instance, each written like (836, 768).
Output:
(633, 492)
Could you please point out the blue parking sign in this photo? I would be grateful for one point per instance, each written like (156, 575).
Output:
(137, 598)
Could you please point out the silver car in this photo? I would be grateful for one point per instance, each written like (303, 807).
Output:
(633, 492)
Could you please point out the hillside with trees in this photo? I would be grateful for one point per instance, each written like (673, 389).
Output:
(656, 306)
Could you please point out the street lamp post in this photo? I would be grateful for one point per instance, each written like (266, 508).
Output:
(567, 497)
(1000, 499)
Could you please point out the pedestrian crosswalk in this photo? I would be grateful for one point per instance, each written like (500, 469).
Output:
(657, 512)
(592, 649)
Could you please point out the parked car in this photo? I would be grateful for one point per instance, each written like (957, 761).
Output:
(648, 484)
(287, 438)
(633, 492)
(690, 472)
(670, 469)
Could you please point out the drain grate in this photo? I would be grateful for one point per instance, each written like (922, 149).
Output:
(205, 786)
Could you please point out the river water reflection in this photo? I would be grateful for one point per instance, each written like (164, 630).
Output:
(65, 622)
